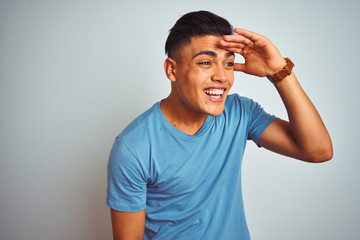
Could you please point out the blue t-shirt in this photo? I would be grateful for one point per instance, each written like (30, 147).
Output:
(189, 185)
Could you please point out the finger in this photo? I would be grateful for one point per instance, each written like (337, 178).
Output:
(225, 44)
(234, 50)
(248, 34)
(237, 39)
(240, 67)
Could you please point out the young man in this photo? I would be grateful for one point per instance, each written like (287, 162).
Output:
(175, 172)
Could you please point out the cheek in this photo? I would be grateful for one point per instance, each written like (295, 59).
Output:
(230, 77)
(198, 77)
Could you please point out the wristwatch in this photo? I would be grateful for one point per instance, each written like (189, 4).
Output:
(286, 71)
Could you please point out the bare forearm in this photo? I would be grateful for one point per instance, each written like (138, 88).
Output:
(311, 135)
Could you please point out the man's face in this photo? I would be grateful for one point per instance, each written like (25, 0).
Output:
(204, 75)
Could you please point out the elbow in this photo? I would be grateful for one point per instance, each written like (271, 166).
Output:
(322, 155)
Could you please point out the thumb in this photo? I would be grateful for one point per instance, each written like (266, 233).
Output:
(239, 67)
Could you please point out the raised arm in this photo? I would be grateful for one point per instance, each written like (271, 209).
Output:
(305, 136)
(128, 225)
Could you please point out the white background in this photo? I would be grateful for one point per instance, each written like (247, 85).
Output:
(75, 73)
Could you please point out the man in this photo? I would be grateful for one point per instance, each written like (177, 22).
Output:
(175, 172)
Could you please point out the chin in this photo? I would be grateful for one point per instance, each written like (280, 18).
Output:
(216, 113)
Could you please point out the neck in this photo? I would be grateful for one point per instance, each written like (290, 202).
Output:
(181, 117)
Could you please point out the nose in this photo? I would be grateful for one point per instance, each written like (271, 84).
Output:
(219, 74)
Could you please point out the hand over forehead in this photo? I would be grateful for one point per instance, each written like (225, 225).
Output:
(262, 58)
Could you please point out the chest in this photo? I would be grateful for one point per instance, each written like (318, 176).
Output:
(181, 168)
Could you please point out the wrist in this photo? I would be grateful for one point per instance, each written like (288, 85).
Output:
(283, 73)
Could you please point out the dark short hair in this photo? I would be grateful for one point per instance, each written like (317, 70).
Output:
(192, 24)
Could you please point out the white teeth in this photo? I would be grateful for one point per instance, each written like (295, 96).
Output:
(214, 92)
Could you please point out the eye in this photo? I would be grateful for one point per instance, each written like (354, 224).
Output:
(229, 64)
(205, 63)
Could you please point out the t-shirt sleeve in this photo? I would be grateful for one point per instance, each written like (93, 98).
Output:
(126, 190)
(259, 120)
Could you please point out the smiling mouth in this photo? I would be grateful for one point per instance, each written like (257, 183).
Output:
(214, 92)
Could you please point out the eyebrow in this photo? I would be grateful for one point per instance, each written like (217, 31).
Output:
(213, 54)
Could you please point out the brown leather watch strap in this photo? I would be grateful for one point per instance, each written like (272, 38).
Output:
(286, 71)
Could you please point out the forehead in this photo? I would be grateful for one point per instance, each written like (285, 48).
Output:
(204, 41)
(201, 43)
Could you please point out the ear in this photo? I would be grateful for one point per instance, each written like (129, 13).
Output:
(170, 69)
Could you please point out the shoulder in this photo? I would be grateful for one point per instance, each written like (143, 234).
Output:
(139, 126)
(137, 136)
(237, 103)
(131, 146)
